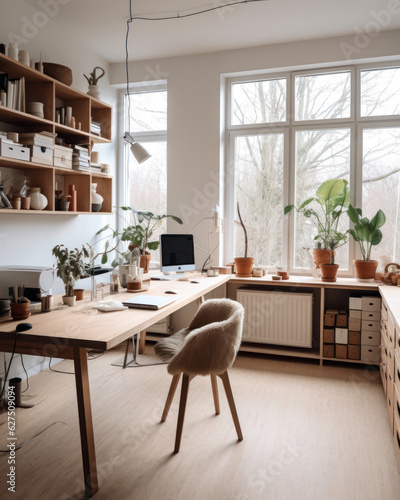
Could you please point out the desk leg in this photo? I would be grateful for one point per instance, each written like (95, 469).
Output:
(142, 343)
(85, 421)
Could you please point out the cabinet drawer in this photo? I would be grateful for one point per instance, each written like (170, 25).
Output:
(397, 346)
(370, 338)
(371, 315)
(384, 311)
(370, 353)
(397, 372)
(382, 370)
(370, 326)
(390, 398)
(396, 404)
(391, 332)
(391, 362)
(371, 304)
(397, 437)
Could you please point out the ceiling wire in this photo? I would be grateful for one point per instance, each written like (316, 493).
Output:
(191, 14)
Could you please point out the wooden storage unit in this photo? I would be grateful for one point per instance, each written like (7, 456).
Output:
(42, 88)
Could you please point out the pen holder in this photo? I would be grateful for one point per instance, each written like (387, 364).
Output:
(20, 310)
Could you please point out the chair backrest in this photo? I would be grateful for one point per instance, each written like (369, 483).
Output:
(214, 339)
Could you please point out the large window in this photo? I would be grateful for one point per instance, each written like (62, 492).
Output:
(290, 132)
(147, 183)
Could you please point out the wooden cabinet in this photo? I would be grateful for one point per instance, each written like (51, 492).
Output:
(42, 88)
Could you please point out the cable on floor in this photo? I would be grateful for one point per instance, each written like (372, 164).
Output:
(33, 437)
(26, 373)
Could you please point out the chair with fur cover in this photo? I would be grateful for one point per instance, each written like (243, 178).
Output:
(207, 347)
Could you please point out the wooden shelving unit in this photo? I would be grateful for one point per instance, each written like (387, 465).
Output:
(42, 88)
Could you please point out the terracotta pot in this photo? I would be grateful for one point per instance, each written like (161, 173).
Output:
(78, 293)
(244, 266)
(145, 262)
(20, 310)
(321, 256)
(365, 269)
(329, 272)
(69, 301)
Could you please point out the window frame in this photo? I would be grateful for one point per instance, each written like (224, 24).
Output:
(355, 123)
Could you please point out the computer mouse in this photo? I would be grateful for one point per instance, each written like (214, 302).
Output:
(171, 291)
(194, 281)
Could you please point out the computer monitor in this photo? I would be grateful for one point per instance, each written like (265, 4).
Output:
(177, 253)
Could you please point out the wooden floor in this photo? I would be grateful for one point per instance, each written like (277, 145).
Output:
(310, 432)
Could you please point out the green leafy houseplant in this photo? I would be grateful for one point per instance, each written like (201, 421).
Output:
(71, 265)
(333, 197)
(138, 235)
(368, 234)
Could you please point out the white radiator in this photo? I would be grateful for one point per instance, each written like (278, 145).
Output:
(277, 317)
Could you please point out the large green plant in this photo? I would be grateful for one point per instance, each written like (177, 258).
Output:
(71, 265)
(138, 234)
(366, 232)
(333, 197)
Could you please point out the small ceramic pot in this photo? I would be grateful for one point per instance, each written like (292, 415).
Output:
(16, 203)
(25, 203)
(20, 310)
(64, 206)
(5, 308)
(94, 91)
(78, 293)
(244, 266)
(69, 301)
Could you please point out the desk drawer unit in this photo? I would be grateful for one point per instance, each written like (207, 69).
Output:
(277, 317)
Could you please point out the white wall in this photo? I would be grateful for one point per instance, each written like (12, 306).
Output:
(28, 239)
(195, 108)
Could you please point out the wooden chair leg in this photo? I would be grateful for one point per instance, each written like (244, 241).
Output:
(214, 386)
(182, 407)
(170, 397)
(231, 401)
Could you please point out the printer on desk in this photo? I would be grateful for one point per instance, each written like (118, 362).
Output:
(37, 280)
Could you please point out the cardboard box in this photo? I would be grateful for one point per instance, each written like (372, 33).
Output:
(341, 320)
(341, 336)
(371, 304)
(341, 351)
(370, 353)
(355, 325)
(62, 157)
(329, 351)
(354, 352)
(370, 326)
(355, 303)
(330, 320)
(370, 338)
(371, 315)
(354, 338)
(355, 314)
(329, 336)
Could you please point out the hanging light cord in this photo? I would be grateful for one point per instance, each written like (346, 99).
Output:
(191, 14)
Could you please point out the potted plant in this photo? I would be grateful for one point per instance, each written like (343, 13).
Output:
(244, 265)
(367, 233)
(71, 267)
(92, 80)
(333, 197)
(138, 235)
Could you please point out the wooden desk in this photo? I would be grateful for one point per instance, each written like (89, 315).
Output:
(69, 332)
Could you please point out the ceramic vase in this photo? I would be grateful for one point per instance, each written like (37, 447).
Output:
(94, 91)
(13, 51)
(38, 200)
(97, 199)
(69, 301)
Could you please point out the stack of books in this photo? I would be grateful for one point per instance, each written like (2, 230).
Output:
(41, 145)
(95, 128)
(80, 158)
(12, 92)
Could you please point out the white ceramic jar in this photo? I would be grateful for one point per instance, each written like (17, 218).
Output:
(38, 200)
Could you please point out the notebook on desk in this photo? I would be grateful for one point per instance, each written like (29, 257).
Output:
(148, 302)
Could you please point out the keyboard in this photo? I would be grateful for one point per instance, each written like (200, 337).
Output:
(168, 277)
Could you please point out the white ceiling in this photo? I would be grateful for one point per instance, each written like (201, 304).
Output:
(101, 24)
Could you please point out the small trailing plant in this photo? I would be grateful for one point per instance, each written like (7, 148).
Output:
(138, 234)
(366, 232)
(92, 79)
(71, 265)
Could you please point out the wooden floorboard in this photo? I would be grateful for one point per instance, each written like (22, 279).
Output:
(310, 432)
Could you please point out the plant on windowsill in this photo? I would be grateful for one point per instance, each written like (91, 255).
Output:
(138, 236)
(244, 265)
(71, 267)
(333, 197)
(367, 233)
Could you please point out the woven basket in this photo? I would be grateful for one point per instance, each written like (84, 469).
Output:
(58, 72)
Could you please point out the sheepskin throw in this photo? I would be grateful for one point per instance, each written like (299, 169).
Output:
(210, 344)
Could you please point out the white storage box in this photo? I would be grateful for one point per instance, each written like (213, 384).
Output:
(370, 326)
(371, 304)
(9, 150)
(355, 303)
(371, 315)
(62, 157)
(370, 353)
(42, 154)
(370, 338)
(341, 335)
